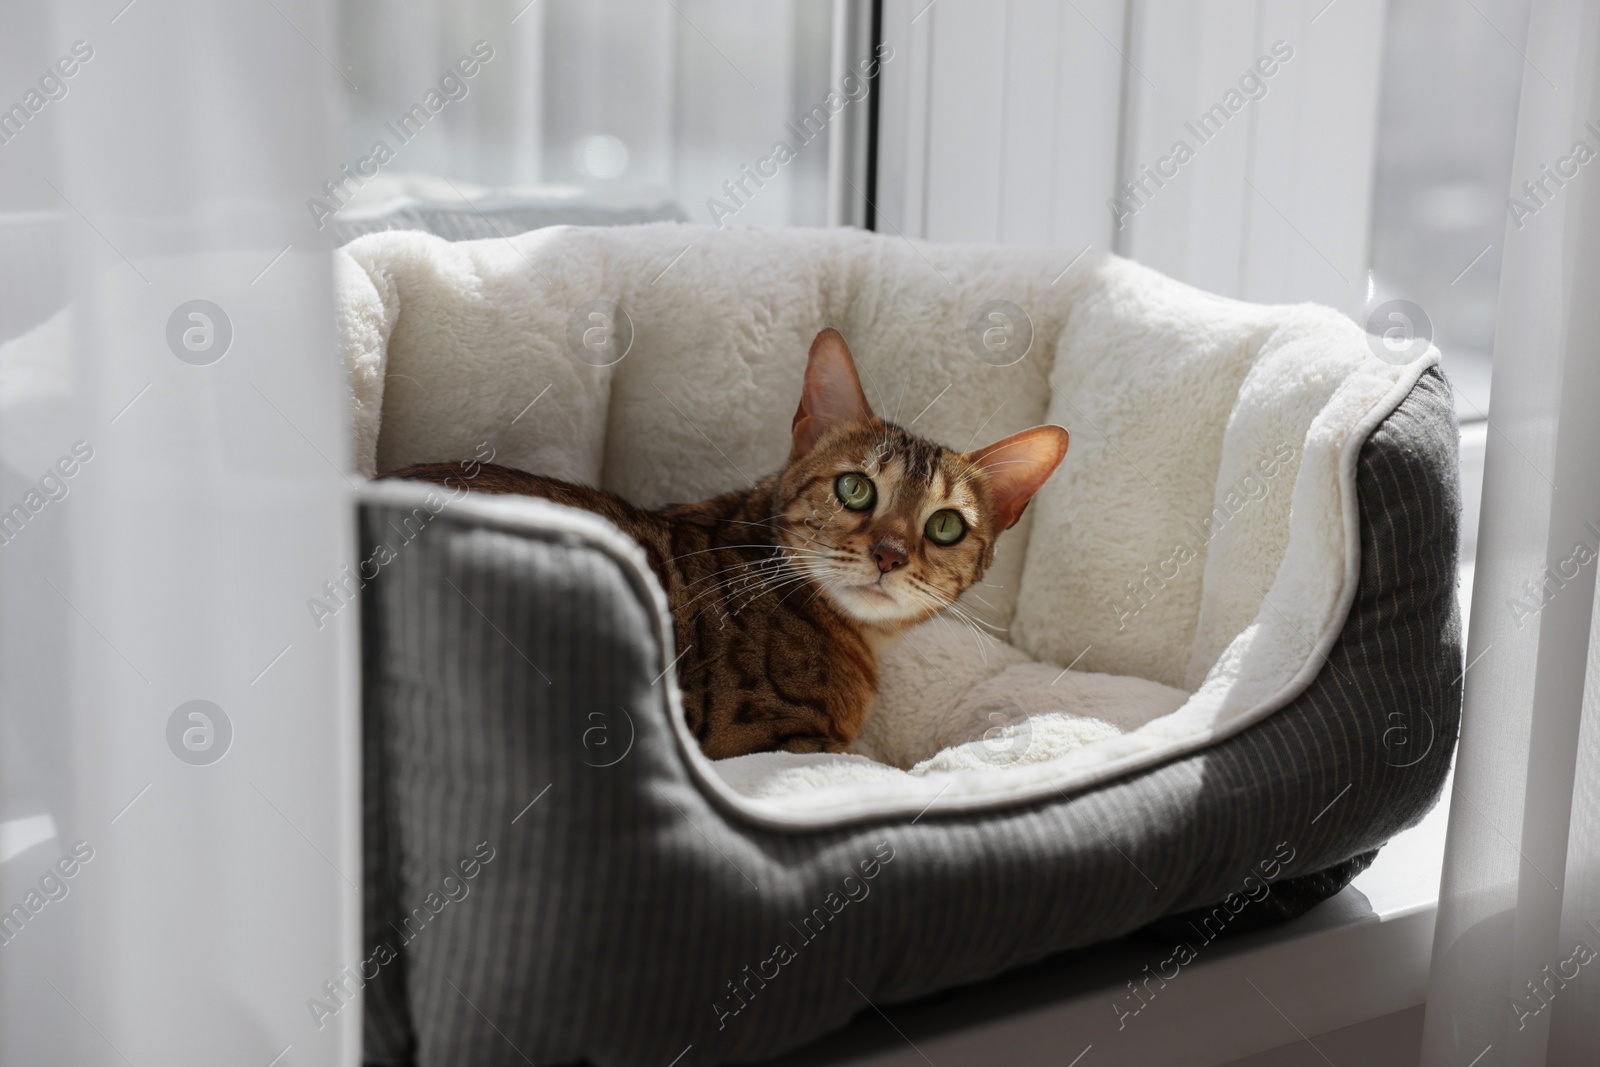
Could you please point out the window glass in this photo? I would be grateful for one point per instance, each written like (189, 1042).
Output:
(1451, 83)
(615, 102)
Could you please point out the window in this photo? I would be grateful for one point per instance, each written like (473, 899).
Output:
(618, 104)
(1452, 75)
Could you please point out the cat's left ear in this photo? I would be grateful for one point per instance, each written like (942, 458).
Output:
(832, 393)
(1016, 467)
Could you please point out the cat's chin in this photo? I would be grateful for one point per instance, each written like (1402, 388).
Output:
(872, 605)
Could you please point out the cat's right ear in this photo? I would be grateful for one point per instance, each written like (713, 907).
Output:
(832, 395)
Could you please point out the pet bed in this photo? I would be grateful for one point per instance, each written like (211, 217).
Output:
(1229, 619)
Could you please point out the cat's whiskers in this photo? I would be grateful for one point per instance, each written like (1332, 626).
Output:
(749, 572)
(729, 570)
(761, 574)
(976, 619)
(772, 587)
(939, 603)
(802, 573)
(951, 609)
(719, 548)
(961, 612)
(815, 541)
(747, 522)
(977, 635)
(823, 582)
(725, 593)
(973, 620)
(815, 538)
(983, 640)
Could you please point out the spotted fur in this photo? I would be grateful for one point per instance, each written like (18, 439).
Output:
(782, 597)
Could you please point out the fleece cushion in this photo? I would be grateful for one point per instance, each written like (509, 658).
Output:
(515, 687)
(1181, 577)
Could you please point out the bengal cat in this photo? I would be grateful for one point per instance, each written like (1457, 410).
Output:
(784, 594)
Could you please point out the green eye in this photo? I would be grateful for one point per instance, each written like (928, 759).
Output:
(945, 527)
(855, 491)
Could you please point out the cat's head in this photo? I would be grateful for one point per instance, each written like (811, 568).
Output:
(892, 526)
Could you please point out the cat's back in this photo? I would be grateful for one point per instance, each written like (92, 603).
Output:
(687, 544)
(643, 526)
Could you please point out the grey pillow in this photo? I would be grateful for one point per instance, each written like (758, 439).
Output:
(511, 697)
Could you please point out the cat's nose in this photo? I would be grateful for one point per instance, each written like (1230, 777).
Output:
(888, 557)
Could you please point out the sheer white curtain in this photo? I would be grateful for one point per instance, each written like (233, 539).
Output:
(1516, 962)
(177, 878)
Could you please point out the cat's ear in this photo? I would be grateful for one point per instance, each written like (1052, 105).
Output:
(832, 394)
(1016, 467)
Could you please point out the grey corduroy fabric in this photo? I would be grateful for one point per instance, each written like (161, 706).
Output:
(508, 664)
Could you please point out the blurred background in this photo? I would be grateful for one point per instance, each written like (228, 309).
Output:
(620, 103)
(996, 123)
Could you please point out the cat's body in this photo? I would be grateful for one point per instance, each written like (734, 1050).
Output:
(762, 668)
(783, 595)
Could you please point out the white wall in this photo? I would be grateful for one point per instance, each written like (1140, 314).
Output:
(1016, 123)
(1276, 206)
(999, 121)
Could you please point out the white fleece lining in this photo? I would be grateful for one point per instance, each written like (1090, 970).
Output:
(479, 330)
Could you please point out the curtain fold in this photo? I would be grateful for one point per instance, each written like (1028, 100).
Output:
(1516, 961)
